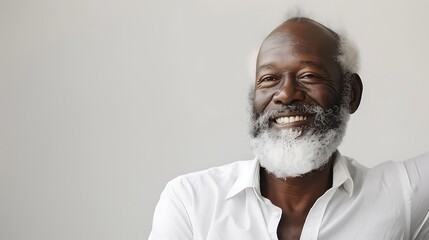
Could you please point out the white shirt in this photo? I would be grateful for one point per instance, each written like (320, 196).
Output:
(387, 202)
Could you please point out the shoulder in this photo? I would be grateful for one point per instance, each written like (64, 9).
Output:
(228, 171)
(417, 165)
(386, 175)
(216, 179)
(382, 169)
(417, 169)
(412, 170)
(406, 175)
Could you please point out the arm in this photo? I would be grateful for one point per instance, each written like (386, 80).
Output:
(171, 220)
(418, 172)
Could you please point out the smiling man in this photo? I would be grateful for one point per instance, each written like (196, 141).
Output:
(299, 186)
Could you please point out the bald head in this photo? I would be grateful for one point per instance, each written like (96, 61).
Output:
(306, 36)
(307, 21)
(346, 53)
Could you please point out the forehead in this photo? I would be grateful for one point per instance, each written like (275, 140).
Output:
(307, 39)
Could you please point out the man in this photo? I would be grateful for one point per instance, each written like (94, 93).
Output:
(299, 186)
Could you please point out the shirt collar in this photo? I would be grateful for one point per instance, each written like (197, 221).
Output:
(342, 175)
(248, 177)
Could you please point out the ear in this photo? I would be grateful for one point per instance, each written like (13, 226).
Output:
(355, 93)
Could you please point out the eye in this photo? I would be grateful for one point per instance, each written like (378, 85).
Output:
(268, 79)
(310, 78)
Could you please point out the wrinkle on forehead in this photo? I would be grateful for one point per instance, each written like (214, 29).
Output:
(280, 41)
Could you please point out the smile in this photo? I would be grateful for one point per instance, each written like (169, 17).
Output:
(291, 119)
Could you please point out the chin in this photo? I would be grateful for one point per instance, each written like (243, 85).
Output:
(294, 152)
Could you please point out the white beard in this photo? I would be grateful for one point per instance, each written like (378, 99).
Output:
(291, 153)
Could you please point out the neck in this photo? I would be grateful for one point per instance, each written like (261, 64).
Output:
(298, 194)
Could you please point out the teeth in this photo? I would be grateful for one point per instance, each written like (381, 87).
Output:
(284, 120)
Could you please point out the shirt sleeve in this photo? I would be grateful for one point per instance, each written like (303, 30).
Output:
(418, 173)
(171, 220)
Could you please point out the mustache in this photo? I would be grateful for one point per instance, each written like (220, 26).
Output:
(298, 108)
(324, 118)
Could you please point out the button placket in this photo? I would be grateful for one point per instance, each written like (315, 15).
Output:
(310, 230)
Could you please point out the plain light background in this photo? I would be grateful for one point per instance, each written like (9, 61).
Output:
(103, 102)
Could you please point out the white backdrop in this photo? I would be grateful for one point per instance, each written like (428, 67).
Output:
(103, 102)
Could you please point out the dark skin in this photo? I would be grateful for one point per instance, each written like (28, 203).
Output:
(295, 65)
(295, 196)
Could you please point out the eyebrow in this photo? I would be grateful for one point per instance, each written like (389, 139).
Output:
(266, 66)
(313, 64)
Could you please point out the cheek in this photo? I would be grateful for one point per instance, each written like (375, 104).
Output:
(324, 98)
(262, 98)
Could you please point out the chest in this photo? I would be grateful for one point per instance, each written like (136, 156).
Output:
(330, 218)
(290, 226)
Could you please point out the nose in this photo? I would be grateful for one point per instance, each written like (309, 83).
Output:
(289, 92)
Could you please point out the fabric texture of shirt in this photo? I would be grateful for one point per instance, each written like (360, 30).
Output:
(387, 202)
